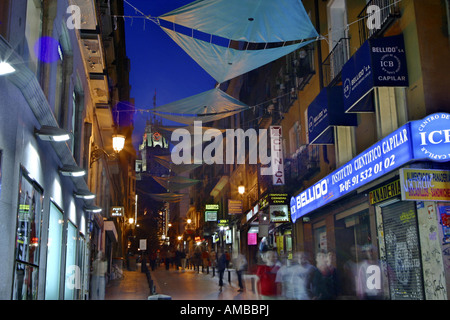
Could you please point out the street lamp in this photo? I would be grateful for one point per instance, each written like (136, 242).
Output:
(118, 142)
(241, 188)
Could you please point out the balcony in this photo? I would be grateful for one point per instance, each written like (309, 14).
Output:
(334, 62)
(304, 165)
(389, 11)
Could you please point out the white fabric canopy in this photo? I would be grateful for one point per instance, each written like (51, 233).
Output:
(246, 20)
(227, 63)
(175, 183)
(207, 106)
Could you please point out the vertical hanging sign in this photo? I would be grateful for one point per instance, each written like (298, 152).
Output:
(276, 149)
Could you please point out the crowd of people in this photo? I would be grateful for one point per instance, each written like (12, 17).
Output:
(297, 279)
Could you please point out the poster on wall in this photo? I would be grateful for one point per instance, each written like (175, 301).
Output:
(444, 213)
(0, 172)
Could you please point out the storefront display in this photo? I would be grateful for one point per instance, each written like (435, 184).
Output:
(28, 237)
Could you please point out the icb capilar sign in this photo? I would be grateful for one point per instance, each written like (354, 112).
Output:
(426, 139)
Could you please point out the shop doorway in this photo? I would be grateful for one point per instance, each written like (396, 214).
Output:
(353, 240)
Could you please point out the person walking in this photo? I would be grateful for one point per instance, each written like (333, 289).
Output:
(267, 273)
(295, 279)
(240, 263)
(221, 266)
(99, 269)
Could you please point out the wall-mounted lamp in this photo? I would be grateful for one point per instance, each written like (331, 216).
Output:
(6, 68)
(85, 195)
(49, 133)
(241, 188)
(72, 171)
(118, 141)
(93, 209)
(131, 220)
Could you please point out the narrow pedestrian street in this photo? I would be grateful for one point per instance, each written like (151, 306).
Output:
(189, 284)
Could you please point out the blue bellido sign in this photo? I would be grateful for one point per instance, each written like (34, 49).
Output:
(427, 139)
(378, 63)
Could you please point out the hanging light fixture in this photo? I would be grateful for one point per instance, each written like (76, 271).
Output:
(49, 133)
(85, 195)
(93, 209)
(6, 68)
(72, 171)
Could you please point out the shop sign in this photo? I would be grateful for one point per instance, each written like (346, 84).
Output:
(432, 137)
(228, 237)
(410, 142)
(276, 148)
(210, 216)
(385, 192)
(264, 202)
(252, 239)
(425, 185)
(234, 206)
(377, 63)
(326, 112)
(143, 244)
(279, 213)
(222, 223)
(211, 212)
(117, 211)
(278, 198)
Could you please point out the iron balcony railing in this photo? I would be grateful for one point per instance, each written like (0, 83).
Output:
(304, 165)
(389, 11)
(334, 62)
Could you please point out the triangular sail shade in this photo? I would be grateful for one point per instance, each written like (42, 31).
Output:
(207, 106)
(227, 63)
(175, 183)
(246, 20)
(167, 197)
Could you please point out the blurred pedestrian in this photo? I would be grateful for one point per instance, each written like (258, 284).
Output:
(205, 258)
(267, 273)
(295, 279)
(152, 258)
(183, 260)
(324, 280)
(221, 266)
(213, 258)
(99, 269)
(368, 283)
(240, 263)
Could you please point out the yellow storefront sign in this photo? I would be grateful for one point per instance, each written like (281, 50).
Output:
(425, 184)
(385, 192)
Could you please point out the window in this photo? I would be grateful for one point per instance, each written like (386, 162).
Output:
(72, 270)
(28, 235)
(55, 229)
(294, 138)
(33, 29)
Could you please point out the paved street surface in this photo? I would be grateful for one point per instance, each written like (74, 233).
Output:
(179, 285)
